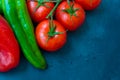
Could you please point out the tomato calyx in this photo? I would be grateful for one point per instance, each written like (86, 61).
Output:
(40, 3)
(52, 32)
(71, 10)
(52, 29)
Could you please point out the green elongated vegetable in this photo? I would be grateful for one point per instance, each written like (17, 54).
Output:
(0, 6)
(15, 11)
(27, 25)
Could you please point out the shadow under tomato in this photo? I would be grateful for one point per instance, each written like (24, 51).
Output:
(65, 55)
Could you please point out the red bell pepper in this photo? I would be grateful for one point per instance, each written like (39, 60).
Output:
(9, 47)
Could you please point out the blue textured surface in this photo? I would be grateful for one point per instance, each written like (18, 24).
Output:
(91, 53)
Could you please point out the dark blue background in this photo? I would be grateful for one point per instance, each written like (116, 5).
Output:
(91, 53)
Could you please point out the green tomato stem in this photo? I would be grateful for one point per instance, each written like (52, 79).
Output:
(51, 13)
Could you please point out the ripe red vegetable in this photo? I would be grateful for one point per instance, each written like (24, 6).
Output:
(40, 13)
(71, 16)
(50, 38)
(9, 48)
(89, 4)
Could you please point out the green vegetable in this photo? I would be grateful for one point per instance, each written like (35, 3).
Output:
(0, 6)
(15, 11)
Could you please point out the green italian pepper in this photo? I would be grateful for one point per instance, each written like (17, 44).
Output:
(0, 6)
(15, 11)
(27, 25)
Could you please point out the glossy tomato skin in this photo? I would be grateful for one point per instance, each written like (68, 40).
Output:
(54, 43)
(70, 22)
(89, 4)
(40, 13)
(9, 47)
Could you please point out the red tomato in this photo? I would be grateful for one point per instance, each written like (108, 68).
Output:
(89, 4)
(70, 16)
(41, 12)
(50, 42)
(9, 47)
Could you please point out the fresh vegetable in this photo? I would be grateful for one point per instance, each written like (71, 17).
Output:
(17, 15)
(0, 6)
(50, 35)
(71, 15)
(39, 10)
(53, 18)
(89, 4)
(9, 47)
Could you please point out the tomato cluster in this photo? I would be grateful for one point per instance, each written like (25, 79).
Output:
(55, 17)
